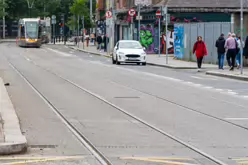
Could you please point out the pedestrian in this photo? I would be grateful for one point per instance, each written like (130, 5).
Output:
(99, 42)
(200, 50)
(238, 56)
(75, 40)
(228, 57)
(87, 40)
(220, 45)
(245, 53)
(105, 43)
(231, 45)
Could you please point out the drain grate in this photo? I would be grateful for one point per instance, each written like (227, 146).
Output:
(42, 146)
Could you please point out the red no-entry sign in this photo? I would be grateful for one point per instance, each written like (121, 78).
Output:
(158, 14)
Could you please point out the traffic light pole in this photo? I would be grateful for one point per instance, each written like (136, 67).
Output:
(159, 37)
(78, 31)
(83, 30)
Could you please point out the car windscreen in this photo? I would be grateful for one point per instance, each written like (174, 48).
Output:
(32, 29)
(130, 45)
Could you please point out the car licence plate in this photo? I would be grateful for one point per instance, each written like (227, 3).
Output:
(132, 59)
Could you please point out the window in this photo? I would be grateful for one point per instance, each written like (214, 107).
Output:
(22, 31)
(32, 29)
(130, 45)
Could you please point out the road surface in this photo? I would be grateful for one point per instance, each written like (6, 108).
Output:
(77, 108)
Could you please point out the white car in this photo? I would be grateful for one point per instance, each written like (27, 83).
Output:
(129, 51)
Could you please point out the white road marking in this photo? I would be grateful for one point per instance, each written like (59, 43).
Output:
(27, 58)
(197, 77)
(59, 52)
(233, 93)
(227, 91)
(198, 85)
(207, 87)
(236, 118)
(245, 96)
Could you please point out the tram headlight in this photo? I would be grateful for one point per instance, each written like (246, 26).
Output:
(27, 40)
(36, 40)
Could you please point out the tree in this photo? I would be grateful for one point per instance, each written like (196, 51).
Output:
(3, 5)
(80, 8)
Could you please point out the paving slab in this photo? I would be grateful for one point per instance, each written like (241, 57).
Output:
(12, 141)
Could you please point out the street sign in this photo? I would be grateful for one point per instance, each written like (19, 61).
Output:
(138, 17)
(53, 19)
(108, 14)
(131, 12)
(143, 2)
(158, 14)
(109, 21)
(168, 18)
(48, 21)
(164, 10)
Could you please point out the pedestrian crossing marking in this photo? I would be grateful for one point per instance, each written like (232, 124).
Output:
(241, 161)
(26, 160)
(166, 160)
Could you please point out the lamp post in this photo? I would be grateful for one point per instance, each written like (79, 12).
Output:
(241, 36)
(3, 19)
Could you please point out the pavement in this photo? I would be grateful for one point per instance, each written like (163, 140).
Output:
(231, 74)
(152, 59)
(11, 139)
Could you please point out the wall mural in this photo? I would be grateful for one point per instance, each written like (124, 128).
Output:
(147, 37)
(149, 40)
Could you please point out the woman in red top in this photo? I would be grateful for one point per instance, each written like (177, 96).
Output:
(200, 50)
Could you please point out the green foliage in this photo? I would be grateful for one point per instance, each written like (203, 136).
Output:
(80, 8)
(42, 8)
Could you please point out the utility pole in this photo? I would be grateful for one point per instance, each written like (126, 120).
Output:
(83, 30)
(63, 27)
(78, 31)
(139, 21)
(91, 15)
(3, 19)
(166, 26)
(241, 35)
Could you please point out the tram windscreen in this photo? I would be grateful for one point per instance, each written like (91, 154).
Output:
(32, 29)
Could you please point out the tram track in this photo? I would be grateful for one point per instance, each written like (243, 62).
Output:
(86, 142)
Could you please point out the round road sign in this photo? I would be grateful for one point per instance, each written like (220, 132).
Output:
(53, 17)
(131, 12)
(108, 14)
(158, 14)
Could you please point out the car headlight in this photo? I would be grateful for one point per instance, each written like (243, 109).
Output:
(121, 53)
(143, 54)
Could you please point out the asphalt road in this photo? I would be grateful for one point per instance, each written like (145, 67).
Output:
(131, 114)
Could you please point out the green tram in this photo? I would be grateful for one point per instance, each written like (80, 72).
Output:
(29, 32)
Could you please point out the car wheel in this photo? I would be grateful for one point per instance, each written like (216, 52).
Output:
(117, 62)
(144, 63)
(113, 61)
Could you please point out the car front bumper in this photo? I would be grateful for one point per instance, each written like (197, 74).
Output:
(141, 59)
